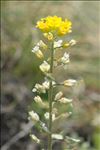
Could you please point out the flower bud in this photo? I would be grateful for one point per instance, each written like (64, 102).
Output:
(39, 88)
(72, 42)
(57, 136)
(42, 44)
(65, 59)
(46, 84)
(38, 99)
(34, 116)
(65, 100)
(49, 36)
(58, 95)
(34, 138)
(69, 82)
(37, 51)
(44, 67)
(58, 44)
(66, 45)
(46, 115)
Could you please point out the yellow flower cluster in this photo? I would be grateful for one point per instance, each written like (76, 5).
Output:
(55, 25)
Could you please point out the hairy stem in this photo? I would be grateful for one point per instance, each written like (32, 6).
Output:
(50, 97)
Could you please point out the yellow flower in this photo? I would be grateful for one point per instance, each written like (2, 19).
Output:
(65, 27)
(42, 25)
(55, 25)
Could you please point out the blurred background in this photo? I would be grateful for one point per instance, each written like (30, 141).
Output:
(20, 69)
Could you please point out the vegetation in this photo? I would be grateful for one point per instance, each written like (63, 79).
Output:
(20, 69)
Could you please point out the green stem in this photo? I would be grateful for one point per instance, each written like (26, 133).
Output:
(50, 97)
